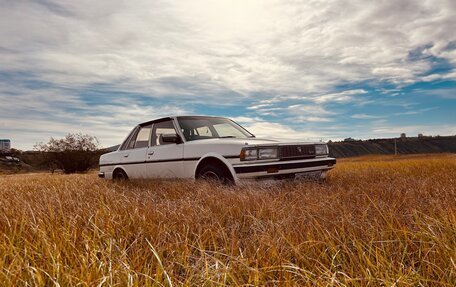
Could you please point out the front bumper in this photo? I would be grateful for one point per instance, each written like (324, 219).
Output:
(280, 168)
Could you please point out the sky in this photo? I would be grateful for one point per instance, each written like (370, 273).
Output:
(310, 70)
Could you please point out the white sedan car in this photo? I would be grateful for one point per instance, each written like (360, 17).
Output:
(212, 148)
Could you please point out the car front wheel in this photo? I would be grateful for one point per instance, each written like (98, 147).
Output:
(215, 173)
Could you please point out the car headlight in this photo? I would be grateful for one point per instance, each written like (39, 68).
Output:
(249, 154)
(267, 153)
(258, 153)
(321, 149)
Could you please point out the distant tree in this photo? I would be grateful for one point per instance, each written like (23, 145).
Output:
(73, 153)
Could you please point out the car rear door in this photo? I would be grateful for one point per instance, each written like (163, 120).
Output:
(134, 156)
(164, 159)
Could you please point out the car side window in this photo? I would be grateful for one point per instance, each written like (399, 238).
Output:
(130, 143)
(142, 139)
(126, 142)
(160, 129)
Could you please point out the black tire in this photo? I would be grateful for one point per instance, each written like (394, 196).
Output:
(215, 173)
(288, 177)
(323, 177)
(119, 175)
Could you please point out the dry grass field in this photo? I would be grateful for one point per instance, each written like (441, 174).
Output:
(377, 221)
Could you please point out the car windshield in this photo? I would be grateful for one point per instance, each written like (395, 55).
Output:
(197, 128)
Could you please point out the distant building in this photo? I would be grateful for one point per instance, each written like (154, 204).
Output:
(420, 135)
(5, 145)
(403, 136)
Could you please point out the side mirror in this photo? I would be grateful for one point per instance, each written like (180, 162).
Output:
(171, 138)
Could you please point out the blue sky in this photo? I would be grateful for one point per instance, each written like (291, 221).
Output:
(309, 70)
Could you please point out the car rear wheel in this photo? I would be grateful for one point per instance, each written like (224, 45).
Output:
(214, 173)
(120, 175)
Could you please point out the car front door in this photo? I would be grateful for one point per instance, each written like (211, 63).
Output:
(165, 159)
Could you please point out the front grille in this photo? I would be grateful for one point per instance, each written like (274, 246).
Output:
(296, 151)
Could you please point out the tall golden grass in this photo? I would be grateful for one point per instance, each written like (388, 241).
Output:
(377, 221)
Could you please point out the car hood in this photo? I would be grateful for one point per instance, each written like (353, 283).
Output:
(253, 141)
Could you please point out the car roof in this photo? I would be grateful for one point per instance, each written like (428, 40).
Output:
(174, 117)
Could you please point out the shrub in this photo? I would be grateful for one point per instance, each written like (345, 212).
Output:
(73, 153)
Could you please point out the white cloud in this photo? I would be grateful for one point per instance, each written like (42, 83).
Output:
(365, 117)
(340, 97)
(414, 130)
(259, 106)
(246, 120)
(265, 129)
(281, 46)
(414, 112)
(308, 110)
(316, 119)
(32, 116)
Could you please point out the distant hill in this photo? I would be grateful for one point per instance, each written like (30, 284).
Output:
(413, 145)
(8, 165)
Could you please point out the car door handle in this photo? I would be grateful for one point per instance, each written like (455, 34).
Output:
(150, 153)
(126, 155)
